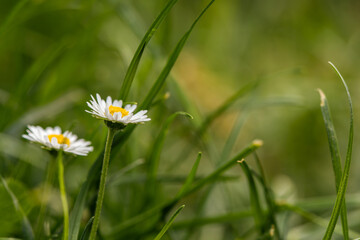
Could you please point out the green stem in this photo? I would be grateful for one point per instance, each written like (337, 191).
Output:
(100, 198)
(63, 195)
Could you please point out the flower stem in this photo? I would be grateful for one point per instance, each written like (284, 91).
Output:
(63, 195)
(100, 198)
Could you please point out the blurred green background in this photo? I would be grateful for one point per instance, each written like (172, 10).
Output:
(54, 54)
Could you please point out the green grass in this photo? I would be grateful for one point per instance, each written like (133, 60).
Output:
(214, 75)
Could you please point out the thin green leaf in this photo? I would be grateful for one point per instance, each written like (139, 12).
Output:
(154, 158)
(231, 140)
(27, 229)
(76, 213)
(190, 178)
(159, 83)
(6, 25)
(185, 101)
(345, 176)
(269, 197)
(335, 155)
(86, 232)
(131, 71)
(254, 197)
(168, 224)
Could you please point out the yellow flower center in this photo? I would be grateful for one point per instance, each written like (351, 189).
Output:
(60, 138)
(113, 109)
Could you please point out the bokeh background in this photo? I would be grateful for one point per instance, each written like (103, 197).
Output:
(54, 54)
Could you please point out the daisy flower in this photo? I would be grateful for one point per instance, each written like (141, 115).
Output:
(115, 112)
(53, 139)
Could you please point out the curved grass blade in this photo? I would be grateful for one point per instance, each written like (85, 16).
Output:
(196, 186)
(168, 224)
(269, 197)
(335, 156)
(131, 71)
(254, 198)
(154, 158)
(27, 229)
(230, 142)
(345, 176)
(11, 18)
(184, 101)
(170, 63)
(87, 229)
(191, 177)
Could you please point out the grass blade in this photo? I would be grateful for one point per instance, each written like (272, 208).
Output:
(154, 158)
(27, 229)
(170, 63)
(190, 178)
(254, 197)
(335, 155)
(87, 229)
(168, 224)
(269, 197)
(345, 176)
(11, 18)
(131, 71)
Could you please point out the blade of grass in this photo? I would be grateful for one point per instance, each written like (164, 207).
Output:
(170, 63)
(254, 198)
(196, 186)
(7, 23)
(269, 197)
(168, 224)
(191, 177)
(154, 158)
(27, 229)
(184, 100)
(345, 176)
(234, 133)
(86, 232)
(131, 71)
(335, 156)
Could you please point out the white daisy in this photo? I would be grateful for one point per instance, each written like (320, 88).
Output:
(115, 112)
(53, 139)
